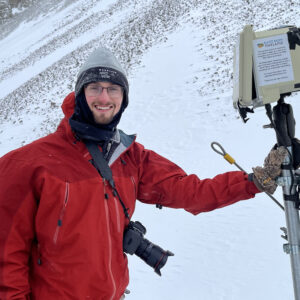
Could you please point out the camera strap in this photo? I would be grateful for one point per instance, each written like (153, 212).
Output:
(104, 170)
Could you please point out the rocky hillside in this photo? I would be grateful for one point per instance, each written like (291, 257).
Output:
(35, 74)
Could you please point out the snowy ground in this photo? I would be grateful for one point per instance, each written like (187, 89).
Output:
(179, 58)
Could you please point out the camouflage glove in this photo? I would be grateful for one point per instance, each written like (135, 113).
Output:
(264, 177)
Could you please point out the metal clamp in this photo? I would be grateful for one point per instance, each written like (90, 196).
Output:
(291, 249)
(284, 180)
(285, 233)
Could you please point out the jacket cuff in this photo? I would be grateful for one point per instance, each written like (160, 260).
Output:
(252, 188)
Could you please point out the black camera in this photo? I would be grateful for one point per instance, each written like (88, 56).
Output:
(134, 243)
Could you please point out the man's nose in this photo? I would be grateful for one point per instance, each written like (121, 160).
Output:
(104, 97)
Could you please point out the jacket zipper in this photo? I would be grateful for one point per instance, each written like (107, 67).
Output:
(62, 213)
(109, 245)
(134, 185)
(39, 259)
(117, 214)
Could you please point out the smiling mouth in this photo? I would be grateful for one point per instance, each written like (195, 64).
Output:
(103, 108)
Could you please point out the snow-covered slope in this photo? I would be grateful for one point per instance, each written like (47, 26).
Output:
(179, 59)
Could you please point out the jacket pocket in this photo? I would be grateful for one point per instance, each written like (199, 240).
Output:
(62, 213)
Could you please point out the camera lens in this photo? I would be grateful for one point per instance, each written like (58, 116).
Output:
(134, 243)
(153, 255)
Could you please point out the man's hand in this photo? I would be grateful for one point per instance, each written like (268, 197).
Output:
(264, 177)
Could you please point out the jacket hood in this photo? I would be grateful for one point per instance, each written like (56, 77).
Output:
(68, 105)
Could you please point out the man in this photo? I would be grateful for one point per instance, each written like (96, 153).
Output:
(63, 217)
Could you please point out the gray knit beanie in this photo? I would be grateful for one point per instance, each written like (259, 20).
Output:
(102, 65)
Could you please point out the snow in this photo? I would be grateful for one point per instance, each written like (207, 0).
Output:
(179, 60)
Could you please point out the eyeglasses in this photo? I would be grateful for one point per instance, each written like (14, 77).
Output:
(113, 91)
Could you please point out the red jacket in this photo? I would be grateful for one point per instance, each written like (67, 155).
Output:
(60, 238)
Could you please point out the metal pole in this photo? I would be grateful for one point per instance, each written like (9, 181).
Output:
(293, 229)
(284, 124)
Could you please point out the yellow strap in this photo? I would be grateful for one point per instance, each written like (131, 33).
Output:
(267, 180)
(229, 158)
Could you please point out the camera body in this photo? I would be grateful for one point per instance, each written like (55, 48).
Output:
(266, 66)
(133, 237)
(135, 243)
